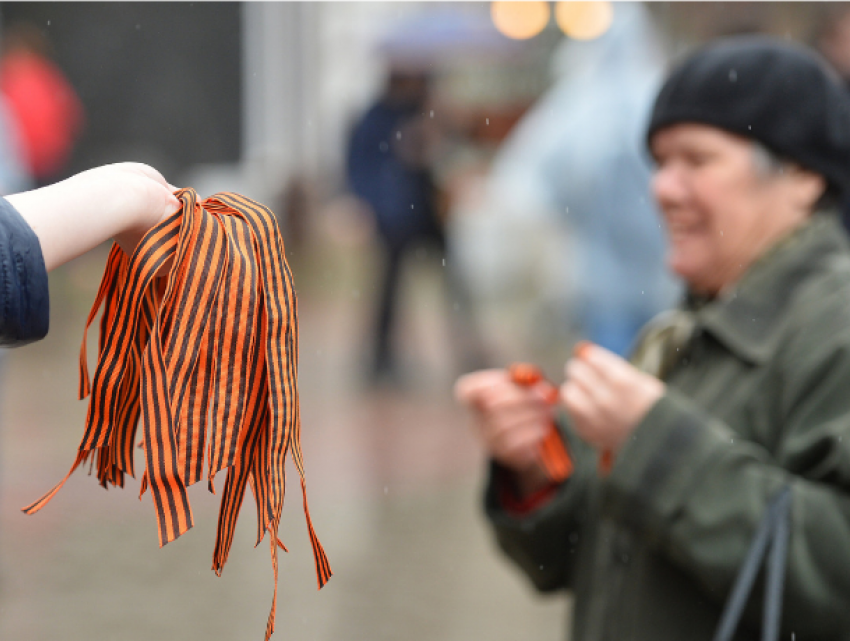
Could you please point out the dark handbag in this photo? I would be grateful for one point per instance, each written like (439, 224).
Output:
(773, 532)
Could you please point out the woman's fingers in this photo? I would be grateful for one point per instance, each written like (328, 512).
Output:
(606, 396)
(510, 420)
(471, 388)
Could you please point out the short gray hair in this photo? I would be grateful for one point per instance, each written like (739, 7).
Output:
(769, 164)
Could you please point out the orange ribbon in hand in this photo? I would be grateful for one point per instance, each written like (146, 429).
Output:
(207, 358)
(553, 454)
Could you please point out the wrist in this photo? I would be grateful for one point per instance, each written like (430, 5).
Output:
(522, 501)
(530, 480)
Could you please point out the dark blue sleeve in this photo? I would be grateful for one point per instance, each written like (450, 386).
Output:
(24, 297)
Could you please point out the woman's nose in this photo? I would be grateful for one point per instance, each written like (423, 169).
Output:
(667, 185)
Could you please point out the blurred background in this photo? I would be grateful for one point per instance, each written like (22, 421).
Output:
(459, 185)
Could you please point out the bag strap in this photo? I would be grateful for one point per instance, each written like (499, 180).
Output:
(773, 531)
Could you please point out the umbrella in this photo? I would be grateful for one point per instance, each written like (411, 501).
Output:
(444, 35)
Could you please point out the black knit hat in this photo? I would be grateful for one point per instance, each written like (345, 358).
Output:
(782, 95)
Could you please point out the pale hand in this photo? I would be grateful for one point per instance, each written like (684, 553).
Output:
(121, 201)
(606, 396)
(509, 420)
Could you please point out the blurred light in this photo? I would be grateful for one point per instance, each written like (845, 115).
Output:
(520, 20)
(584, 20)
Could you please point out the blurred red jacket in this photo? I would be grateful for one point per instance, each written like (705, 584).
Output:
(46, 109)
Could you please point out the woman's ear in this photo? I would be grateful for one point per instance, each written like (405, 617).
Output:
(807, 187)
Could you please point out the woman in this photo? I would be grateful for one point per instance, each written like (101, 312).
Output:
(741, 392)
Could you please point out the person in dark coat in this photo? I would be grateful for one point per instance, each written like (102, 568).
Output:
(388, 169)
(736, 396)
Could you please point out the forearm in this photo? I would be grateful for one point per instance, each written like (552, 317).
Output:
(75, 215)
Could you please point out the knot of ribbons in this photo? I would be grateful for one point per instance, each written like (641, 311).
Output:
(205, 352)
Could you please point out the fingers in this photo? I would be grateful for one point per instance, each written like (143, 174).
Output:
(153, 182)
(605, 366)
(493, 388)
(469, 388)
(161, 188)
(509, 420)
(143, 169)
(518, 450)
(577, 401)
(588, 379)
(606, 396)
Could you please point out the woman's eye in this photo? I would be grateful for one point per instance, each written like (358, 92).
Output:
(698, 159)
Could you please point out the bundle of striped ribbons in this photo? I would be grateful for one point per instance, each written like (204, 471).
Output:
(199, 339)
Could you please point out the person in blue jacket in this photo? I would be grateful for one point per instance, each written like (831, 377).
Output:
(388, 170)
(46, 227)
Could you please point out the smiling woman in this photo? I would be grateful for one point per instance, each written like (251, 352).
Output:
(721, 209)
(727, 401)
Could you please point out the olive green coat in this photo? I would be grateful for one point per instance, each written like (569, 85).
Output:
(760, 398)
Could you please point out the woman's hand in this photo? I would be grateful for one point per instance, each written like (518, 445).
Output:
(121, 201)
(606, 396)
(510, 420)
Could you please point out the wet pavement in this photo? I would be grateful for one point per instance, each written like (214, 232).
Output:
(393, 476)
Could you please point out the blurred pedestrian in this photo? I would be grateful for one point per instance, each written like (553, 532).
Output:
(43, 104)
(734, 398)
(389, 169)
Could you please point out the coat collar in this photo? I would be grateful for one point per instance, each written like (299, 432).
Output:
(748, 319)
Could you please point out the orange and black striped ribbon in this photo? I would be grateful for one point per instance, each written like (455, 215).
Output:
(207, 357)
(553, 455)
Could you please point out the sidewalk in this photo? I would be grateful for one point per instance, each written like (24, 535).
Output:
(393, 476)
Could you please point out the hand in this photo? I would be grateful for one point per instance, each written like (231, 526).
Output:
(145, 198)
(121, 201)
(606, 396)
(509, 420)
